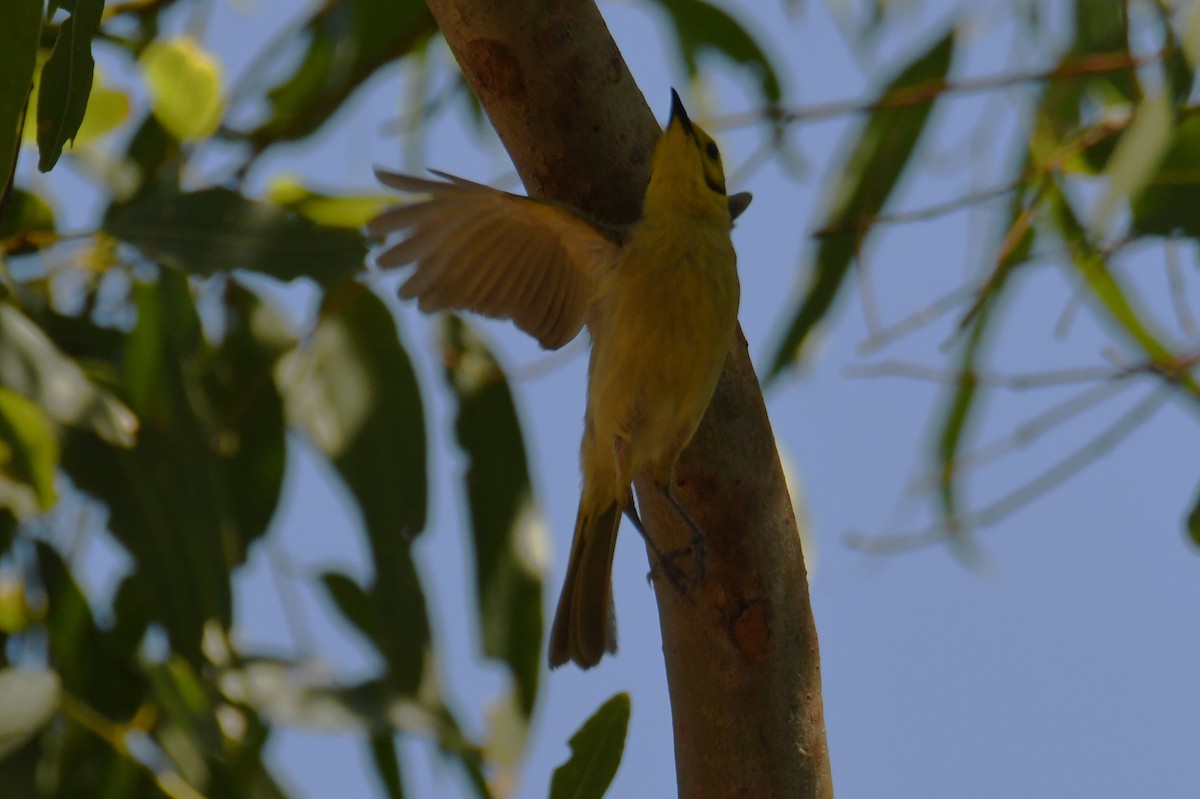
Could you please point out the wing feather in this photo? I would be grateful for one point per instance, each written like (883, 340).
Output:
(483, 250)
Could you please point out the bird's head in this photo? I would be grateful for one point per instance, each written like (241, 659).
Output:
(686, 174)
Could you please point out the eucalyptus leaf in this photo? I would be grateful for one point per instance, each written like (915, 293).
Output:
(352, 390)
(29, 698)
(508, 539)
(66, 82)
(217, 230)
(701, 27)
(19, 36)
(596, 750)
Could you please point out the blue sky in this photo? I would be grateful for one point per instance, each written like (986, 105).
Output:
(1061, 664)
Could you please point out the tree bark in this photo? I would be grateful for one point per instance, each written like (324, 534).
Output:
(740, 649)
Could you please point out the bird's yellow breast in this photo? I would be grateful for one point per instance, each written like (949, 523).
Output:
(661, 327)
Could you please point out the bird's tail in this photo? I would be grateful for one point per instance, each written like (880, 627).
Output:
(585, 625)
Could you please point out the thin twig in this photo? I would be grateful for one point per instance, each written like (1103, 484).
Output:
(1021, 496)
(1178, 291)
(1095, 64)
(922, 214)
(1015, 382)
(1022, 436)
(942, 305)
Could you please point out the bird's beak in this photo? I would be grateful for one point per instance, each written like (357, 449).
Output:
(679, 114)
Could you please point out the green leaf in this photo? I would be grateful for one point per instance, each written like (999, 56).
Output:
(1193, 521)
(387, 764)
(248, 410)
(702, 28)
(169, 498)
(29, 698)
(158, 157)
(355, 605)
(866, 179)
(353, 391)
(1116, 299)
(505, 531)
(28, 452)
(91, 668)
(1167, 205)
(1073, 99)
(217, 230)
(22, 219)
(596, 750)
(19, 36)
(66, 82)
(187, 703)
(34, 367)
(346, 42)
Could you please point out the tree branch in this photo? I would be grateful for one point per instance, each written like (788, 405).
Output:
(741, 649)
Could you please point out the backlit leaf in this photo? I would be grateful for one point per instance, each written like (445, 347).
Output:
(28, 449)
(184, 83)
(29, 698)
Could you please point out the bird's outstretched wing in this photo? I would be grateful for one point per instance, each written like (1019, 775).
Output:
(498, 254)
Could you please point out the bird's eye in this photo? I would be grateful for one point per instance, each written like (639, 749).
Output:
(711, 150)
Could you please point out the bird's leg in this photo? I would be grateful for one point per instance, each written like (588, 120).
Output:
(697, 547)
(664, 564)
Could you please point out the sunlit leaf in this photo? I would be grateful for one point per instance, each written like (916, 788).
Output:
(353, 391)
(351, 211)
(16, 613)
(66, 82)
(702, 28)
(1191, 36)
(19, 36)
(864, 181)
(28, 448)
(32, 366)
(509, 541)
(107, 108)
(345, 43)
(184, 83)
(217, 230)
(596, 750)
(29, 698)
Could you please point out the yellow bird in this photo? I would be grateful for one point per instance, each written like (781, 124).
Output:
(660, 301)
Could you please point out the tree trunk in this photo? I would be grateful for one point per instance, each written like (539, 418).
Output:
(741, 648)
